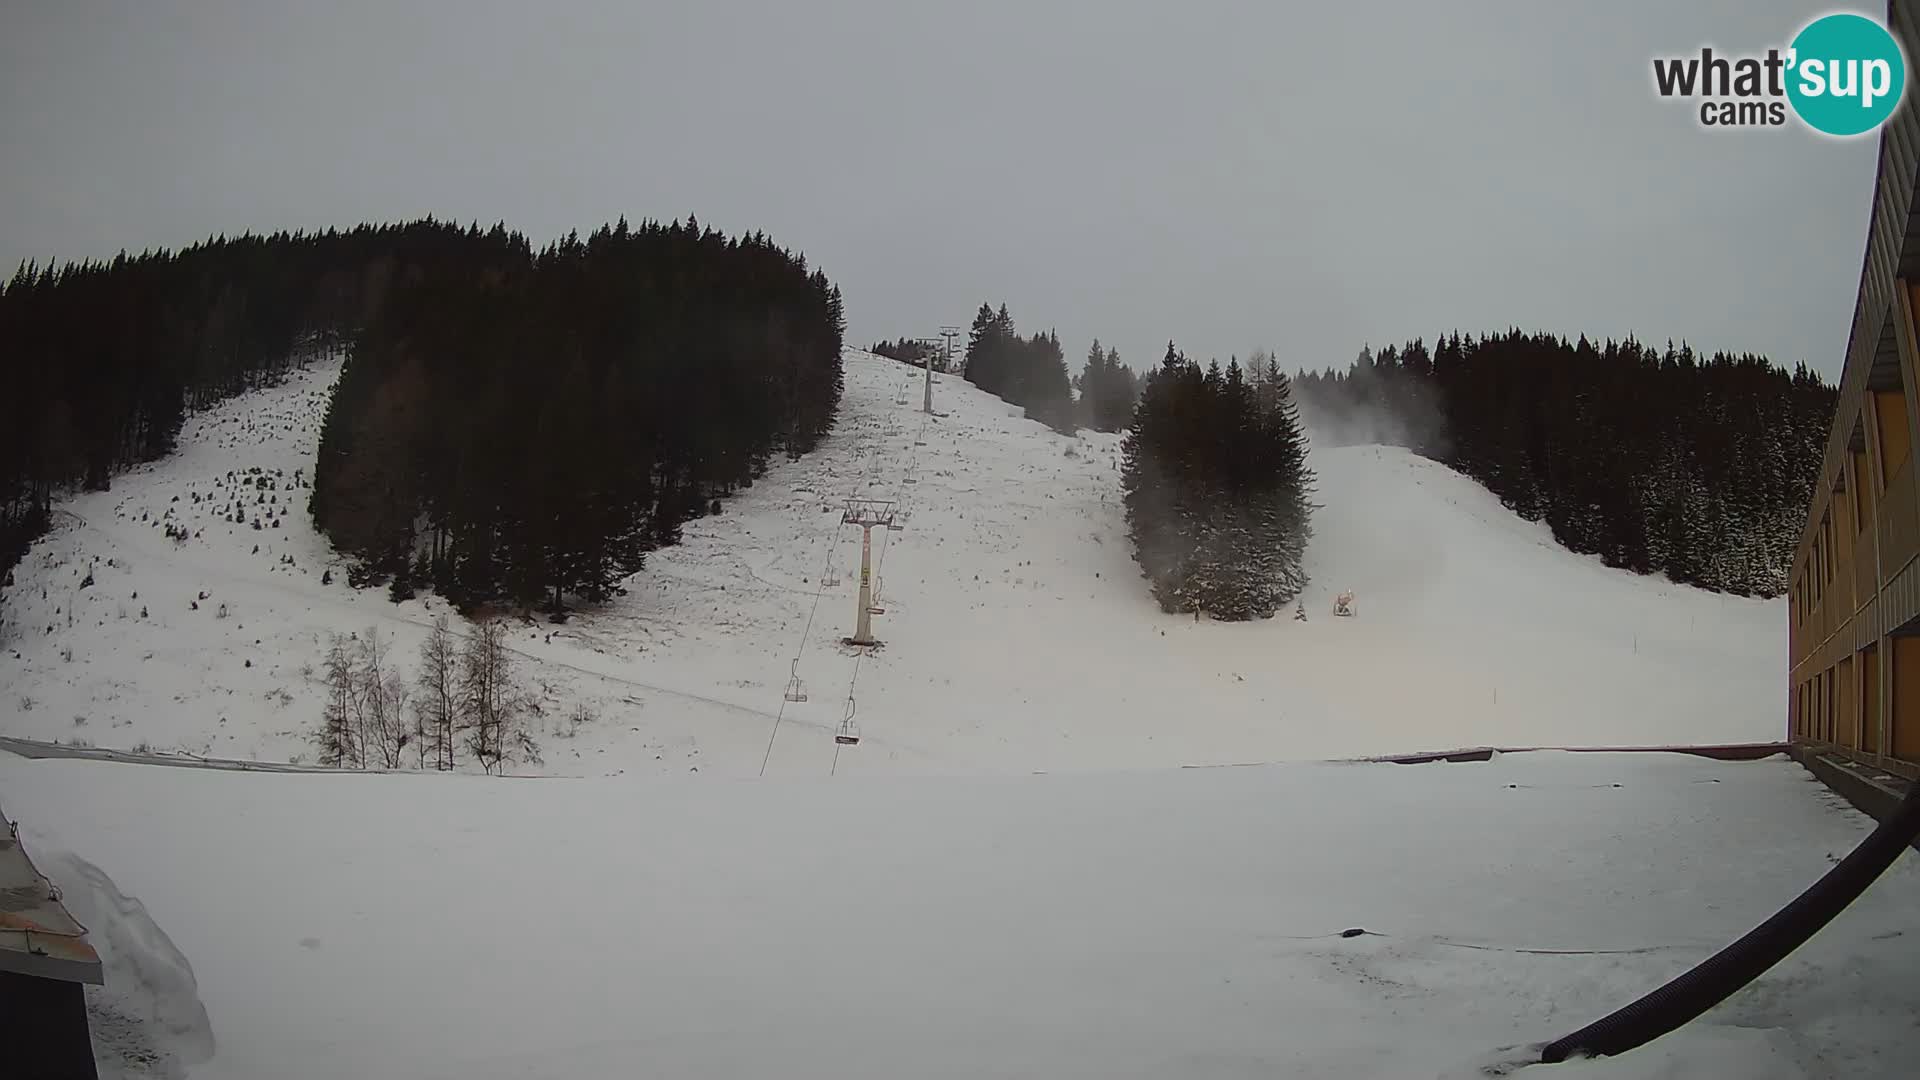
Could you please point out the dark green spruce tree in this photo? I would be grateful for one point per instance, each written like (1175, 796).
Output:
(1030, 372)
(1217, 491)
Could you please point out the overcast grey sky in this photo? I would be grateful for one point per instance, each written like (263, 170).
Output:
(1304, 177)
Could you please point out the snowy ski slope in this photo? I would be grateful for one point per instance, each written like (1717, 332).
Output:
(1130, 920)
(1017, 636)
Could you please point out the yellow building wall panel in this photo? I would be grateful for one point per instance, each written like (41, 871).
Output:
(1890, 413)
(1846, 718)
(1904, 740)
(1870, 700)
(1825, 731)
(1899, 522)
(1843, 570)
(1863, 486)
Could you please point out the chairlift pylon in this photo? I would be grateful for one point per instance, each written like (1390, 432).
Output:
(796, 691)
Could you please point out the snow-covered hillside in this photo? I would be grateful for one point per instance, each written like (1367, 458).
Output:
(1017, 633)
(1155, 922)
(1175, 923)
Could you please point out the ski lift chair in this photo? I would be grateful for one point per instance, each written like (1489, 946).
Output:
(796, 691)
(848, 734)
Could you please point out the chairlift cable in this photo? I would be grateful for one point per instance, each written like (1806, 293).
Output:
(873, 473)
(812, 611)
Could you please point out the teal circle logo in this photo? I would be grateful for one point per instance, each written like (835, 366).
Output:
(1845, 74)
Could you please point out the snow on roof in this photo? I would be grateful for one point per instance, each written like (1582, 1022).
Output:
(37, 934)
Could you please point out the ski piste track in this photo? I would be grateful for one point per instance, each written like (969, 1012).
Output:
(160, 554)
(865, 447)
(870, 453)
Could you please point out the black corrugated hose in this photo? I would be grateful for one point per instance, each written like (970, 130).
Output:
(1718, 976)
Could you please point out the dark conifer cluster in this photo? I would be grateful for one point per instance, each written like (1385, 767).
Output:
(515, 426)
(1030, 371)
(911, 351)
(103, 360)
(1656, 461)
(1217, 487)
(1108, 390)
(525, 432)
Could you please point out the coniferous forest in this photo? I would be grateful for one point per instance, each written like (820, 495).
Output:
(526, 431)
(1700, 468)
(599, 393)
(911, 351)
(1108, 390)
(523, 426)
(1029, 371)
(1216, 489)
(102, 361)
(1024, 372)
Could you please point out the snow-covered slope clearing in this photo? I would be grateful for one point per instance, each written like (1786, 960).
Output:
(1174, 923)
(1017, 633)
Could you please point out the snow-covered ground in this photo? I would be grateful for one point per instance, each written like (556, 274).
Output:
(1128, 919)
(1154, 924)
(1018, 634)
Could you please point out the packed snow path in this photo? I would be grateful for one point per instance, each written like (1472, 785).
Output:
(1018, 635)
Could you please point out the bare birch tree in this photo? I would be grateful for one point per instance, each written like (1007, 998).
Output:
(384, 694)
(437, 709)
(339, 734)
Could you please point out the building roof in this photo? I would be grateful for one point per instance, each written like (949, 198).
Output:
(38, 936)
(1892, 252)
